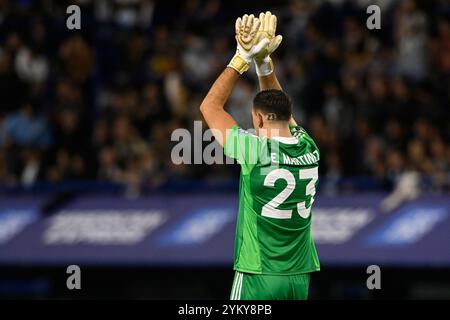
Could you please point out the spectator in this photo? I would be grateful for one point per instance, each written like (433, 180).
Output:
(25, 128)
(110, 95)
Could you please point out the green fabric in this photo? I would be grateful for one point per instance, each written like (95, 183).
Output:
(270, 287)
(277, 187)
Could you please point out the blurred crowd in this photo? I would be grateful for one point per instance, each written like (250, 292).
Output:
(101, 103)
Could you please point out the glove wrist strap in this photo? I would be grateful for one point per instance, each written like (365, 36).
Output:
(239, 64)
(264, 68)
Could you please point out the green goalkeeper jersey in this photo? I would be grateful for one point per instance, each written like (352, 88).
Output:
(278, 183)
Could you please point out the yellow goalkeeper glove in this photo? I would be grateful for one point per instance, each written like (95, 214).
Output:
(247, 47)
(267, 30)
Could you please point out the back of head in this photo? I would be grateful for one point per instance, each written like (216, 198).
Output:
(274, 105)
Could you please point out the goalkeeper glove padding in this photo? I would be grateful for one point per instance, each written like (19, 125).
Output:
(247, 47)
(267, 30)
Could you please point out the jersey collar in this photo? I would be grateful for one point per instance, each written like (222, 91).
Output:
(286, 140)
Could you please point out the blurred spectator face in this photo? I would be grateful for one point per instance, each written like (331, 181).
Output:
(422, 129)
(437, 149)
(408, 6)
(443, 46)
(399, 89)
(62, 158)
(39, 32)
(13, 42)
(190, 7)
(333, 162)
(68, 120)
(212, 8)
(323, 136)
(76, 56)
(444, 29)
(393, 130)
(107, 157)
(220, 44)
(78, 166)
(297, 7)
(100, 135)
(150, 94)
(374, 149)
(67, 93)
(416, 152)
(317, 124)
(362, 128)
(5, 62)
(120, 103)
(377, 88)
(149, 160)
(28, 111)
(353, 33)
(131, 98)
(331, 90)
(160, 132)
(162, 39)
(136, 47)
(394, 160)
(350, 82)
(121, 130)
(31, 155)
(311, 32)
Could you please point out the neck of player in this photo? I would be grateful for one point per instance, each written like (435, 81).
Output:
(272, 131)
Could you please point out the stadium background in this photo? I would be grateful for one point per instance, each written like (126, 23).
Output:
(85, 127)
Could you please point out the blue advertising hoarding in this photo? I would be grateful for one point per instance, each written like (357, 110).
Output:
(199, 230)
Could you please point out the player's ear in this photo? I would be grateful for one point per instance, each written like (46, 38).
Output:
(260, 119)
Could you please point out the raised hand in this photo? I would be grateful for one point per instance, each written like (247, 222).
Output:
(247, 45)
(267, 30)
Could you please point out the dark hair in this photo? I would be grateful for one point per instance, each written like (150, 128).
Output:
(275, 103)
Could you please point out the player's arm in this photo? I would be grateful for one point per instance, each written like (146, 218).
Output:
(212, 106)
(263, 63)
(269, 81)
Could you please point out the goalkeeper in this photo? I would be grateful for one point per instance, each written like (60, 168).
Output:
(274, 250)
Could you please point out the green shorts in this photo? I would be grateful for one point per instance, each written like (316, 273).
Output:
(247, 286)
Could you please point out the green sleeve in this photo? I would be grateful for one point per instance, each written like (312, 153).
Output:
(242, 146)
(302, 135)
(297, 131)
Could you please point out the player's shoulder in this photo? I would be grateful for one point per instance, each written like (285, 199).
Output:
(302, 135)
(245, 132)
(298, 131)
(244, 135)
(246, 141)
